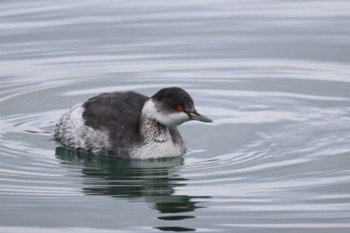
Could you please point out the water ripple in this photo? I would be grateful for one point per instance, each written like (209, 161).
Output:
(273, 147)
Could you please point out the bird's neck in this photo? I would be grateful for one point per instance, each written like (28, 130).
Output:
(153, 131)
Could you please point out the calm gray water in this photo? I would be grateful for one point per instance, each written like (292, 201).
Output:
(274, 76)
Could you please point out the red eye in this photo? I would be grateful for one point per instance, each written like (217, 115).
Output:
(180, 108)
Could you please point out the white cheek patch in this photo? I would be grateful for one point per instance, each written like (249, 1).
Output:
(149, 109)
(171, 119)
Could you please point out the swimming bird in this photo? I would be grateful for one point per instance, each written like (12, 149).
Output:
(129, 124)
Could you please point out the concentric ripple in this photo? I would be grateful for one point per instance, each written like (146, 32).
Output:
(274, 76)
(275, 157)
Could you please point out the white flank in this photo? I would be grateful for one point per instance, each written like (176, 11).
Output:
(73, 132)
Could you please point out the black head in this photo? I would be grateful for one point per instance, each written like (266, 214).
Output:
(176, 105)
(173, 97)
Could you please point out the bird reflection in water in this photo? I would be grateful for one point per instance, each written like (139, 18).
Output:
(154, 181)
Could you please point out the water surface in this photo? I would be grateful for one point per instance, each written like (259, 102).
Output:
(273, 75)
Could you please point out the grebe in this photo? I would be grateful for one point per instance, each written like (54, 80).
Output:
(129, 124)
